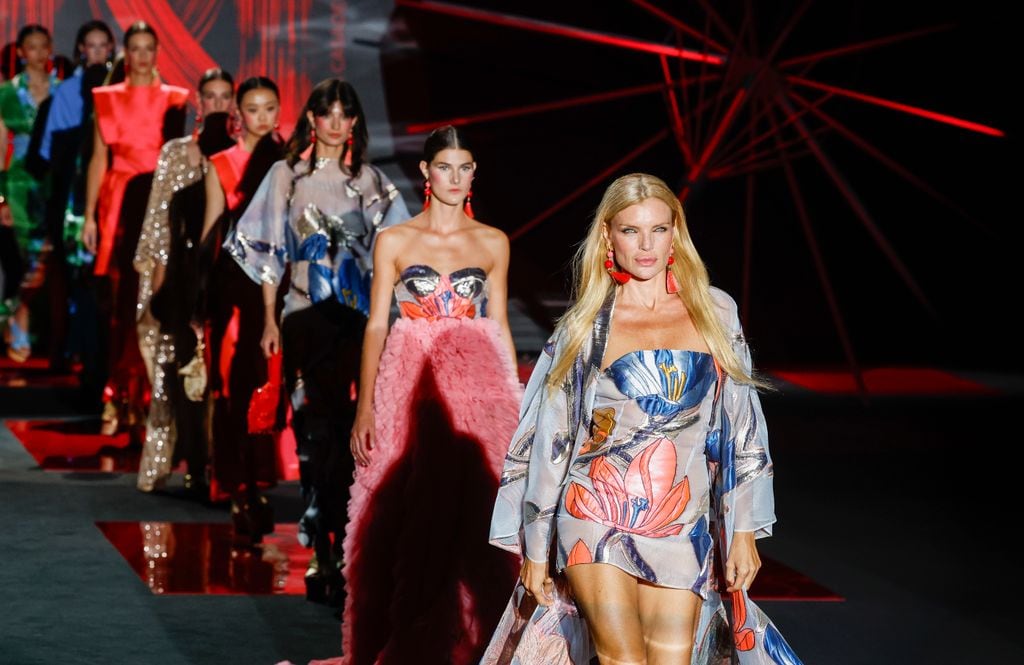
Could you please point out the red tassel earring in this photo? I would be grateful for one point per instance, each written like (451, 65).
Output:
(671, 283)
(467, 207)
(609, 264)
(348, 141)
(426, 195)
(312, 136)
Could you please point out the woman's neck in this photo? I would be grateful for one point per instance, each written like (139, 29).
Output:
(141, 78)
(443, 218)
(648, 294)
(249, 141)
(37, 74)
(324, 151)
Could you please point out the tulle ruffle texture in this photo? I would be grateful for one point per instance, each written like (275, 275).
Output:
(423, 585)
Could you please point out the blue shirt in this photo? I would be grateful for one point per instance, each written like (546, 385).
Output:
(65, 110)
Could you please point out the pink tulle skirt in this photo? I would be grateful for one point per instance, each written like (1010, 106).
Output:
(423, 585)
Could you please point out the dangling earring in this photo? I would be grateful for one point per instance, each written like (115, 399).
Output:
(671, 283)
(467, 207)
(312, 136)
(426, 195)
(609, 264)
(348, 141)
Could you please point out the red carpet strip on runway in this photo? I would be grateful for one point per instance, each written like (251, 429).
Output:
(75, 445)
(206, 559)
(887, 381)
(33, 373)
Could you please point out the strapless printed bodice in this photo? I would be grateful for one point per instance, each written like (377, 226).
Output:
(424, 293)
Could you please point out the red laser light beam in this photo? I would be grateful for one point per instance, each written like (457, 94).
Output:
(888, 162)
(858, 208)
(677, 117)
(814, 58)
(596, 180)
(680, 26)
(730, 114)
(538, 108)
(897, 106)
(822, 270)
(558, 30)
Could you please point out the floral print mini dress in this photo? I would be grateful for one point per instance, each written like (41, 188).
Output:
(638, 492)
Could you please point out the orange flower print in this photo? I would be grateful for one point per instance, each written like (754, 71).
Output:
(743, 637)
(601, 425)
(580, 553)
(644, 502)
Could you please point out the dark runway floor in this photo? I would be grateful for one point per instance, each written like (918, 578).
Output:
(902, 506)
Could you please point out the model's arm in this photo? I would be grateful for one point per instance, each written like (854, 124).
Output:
(497, 299)
(94, 176)
(215, 201)
(154, 241)
(271, 340)
(3, 145)
(751, 500)
(385, 254)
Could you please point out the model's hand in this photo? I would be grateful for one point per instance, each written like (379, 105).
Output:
(361, 440)
(271, 340)
(6, 218)
(89, 234)
(537, 581)
(743, 563)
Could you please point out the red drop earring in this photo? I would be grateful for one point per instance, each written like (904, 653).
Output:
(312, 136)
(609, 264)
(348, 141)
(671, 283)
(467, 207)
(426, 195)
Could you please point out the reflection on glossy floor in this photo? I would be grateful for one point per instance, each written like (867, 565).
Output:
(887, 381)
(192, 558)
(75, 445)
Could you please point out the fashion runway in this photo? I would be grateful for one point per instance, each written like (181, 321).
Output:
(885, 545)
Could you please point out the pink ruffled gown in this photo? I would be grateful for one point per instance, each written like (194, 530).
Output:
(423, 585)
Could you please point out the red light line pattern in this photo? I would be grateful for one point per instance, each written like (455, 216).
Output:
(898, 106)
(558, 30)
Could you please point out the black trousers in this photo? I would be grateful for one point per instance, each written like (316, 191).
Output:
(322, 346)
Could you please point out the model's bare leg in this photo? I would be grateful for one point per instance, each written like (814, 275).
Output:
(607, 597)
(668, 618)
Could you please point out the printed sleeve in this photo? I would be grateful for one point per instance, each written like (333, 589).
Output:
(258, 243)
(747, 473)
(535, 465)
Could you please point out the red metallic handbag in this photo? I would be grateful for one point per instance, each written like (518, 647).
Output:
(262, 413)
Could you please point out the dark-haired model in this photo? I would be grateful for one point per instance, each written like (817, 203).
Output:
(318, 213)
(439, 401)
(242, 462)
(133, 119)
(166, 263)
(20, 100)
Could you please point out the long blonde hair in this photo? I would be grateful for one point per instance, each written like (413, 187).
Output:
(592, 284)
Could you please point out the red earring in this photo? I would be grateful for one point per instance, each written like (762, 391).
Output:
(671, 283)
(426, 195)
(348, 141)
(609, 264)
(468, 205)
(312, 135)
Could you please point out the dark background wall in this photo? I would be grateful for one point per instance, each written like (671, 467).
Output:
(414, 66)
